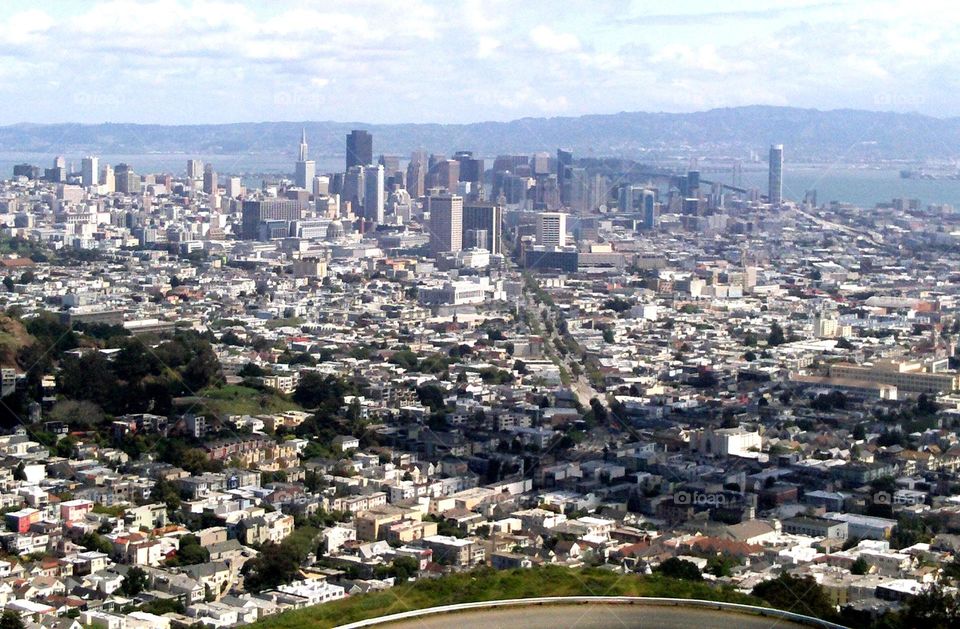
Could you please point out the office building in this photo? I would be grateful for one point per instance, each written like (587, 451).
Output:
(321, 186)
(471, 171)
(446, 223)
(354, 188)
(234, 187)
(564, 174)
(540, 164)
(194, 169)
(108, 179)
(266, 211)
(373, 194)
(485, 220)
(552, 229)
(209, 179)
(90, 171)
(359, 148)
(127, 181)
(775, 190)
(416, 178)
(306, 169)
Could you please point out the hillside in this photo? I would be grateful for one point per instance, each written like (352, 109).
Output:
(809, 134)
(13, 336)
(488, 585)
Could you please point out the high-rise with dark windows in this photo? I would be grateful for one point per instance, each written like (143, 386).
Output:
(485, 218)
(359, 148)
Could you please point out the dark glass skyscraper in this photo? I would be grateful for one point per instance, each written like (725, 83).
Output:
(359, 148)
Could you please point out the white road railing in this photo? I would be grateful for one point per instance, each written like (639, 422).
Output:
(606, 600)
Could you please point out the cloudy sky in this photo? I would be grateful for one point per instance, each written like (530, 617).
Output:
(208, 61)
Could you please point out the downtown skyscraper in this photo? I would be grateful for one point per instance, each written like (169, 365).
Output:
(359, 148)
(306, 169)
(775, 183)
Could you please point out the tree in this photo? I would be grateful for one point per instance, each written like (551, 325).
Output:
(134, 582)
(800, 595)
(93, 541)
(404, 567)
(720, 565)
(8, 284)
(10, 620)
(680, 569)
(933, 608)
(83, 414)
(191, 552)
(608, 336)
(251, 370)
(843, 343)
(165, 491)
(432, 396)
(776, 336)
(860, 566)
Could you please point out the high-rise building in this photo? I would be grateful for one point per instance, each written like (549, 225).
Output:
(564, 175)
(306, 169)
(194, 169)
(446, 223)
(108, 179)
(552, 229)
(599, 191)
(540, 163)
(359, 148)
(127, 181)
(373, 193)
(416, 178)
(90, 171)
(471, 171)
(391, 164)
(486, 219)
(209, 179)
(354, 187)
(234, 187)
(775, 189)
(448, 174)
(321, 186)
(256, 212)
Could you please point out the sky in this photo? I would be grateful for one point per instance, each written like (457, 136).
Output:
(389, 61)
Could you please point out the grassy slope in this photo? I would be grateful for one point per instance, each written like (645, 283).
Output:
(240, 400)
(13, 336)
(487, 584)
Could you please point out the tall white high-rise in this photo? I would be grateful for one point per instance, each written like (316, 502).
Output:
(775, 191)
(446, 223)
(90, 171)
(306, 168)
(374, 197)
(234, 187)
(106, 176)
(194, 169)
(552, 229)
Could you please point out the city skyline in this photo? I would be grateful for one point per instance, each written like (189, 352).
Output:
(174, 61)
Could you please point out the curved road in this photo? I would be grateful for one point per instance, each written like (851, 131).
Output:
(595, 616)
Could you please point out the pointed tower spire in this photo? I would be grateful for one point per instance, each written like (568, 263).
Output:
(303, 144)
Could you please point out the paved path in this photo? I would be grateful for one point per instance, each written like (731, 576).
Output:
(595, 616)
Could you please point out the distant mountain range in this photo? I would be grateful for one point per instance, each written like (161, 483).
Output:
(808, 134)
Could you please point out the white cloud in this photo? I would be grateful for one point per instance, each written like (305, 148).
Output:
(549, 40)
(380, 60)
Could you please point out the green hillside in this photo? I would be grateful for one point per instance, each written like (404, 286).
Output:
(487, 584)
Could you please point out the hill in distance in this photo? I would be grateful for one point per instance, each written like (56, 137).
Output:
(808, 134)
